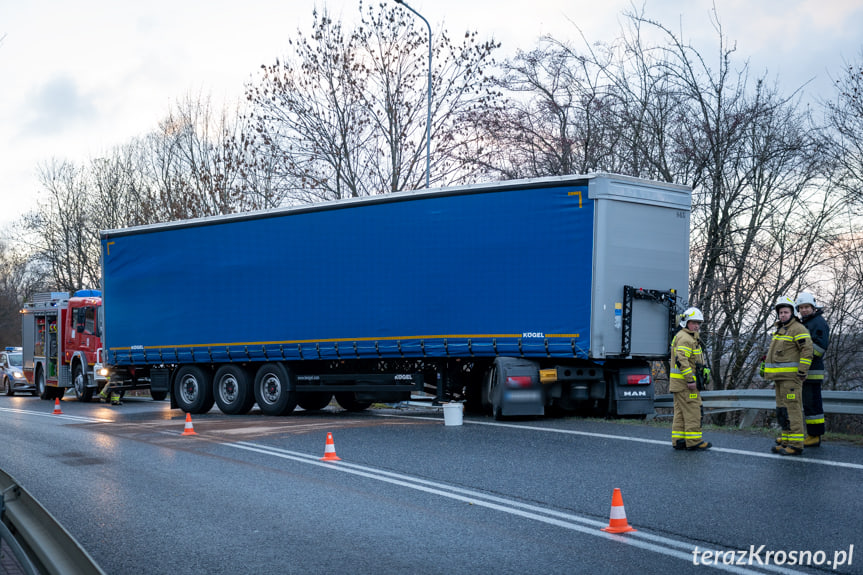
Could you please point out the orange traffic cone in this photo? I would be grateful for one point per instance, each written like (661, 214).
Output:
(57, 410)
(617, 523)
(189, 429)
(330, 450)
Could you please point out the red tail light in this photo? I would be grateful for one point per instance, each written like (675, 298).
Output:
(519, 381)
(638, 379)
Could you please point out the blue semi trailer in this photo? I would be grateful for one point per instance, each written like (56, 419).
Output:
(516, 297)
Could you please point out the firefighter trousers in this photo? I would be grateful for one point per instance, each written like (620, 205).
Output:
(789, 412)
(687, 417)
(813, 407)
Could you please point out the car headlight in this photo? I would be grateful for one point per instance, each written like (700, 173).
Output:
(18, 375)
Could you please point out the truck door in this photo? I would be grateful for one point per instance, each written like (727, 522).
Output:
(84, 334)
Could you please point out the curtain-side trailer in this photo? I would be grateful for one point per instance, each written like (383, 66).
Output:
(515, 296)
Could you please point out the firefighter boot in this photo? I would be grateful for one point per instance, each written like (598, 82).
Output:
(788, 450)
(679, 444)
(115, 399)
(704, 445)
(812, 441)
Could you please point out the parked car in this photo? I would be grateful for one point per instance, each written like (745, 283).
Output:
(11, 372)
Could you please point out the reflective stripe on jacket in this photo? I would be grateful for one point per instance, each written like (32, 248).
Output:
(686, 357)
(790, 352)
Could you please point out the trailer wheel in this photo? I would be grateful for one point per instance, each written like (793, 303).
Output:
(348, 400)
(314, 401)
(193, 389)
(275, 389)
(79, 380)
(232, 388)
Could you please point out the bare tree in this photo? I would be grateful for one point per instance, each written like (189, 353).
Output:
(345, 116)
(67, 243)
(18, 279)
(840, 282)
(845, 118)
(191, 165)
(763, 208)
(552, 121)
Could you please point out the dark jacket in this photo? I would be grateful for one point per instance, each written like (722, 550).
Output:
(820, 334)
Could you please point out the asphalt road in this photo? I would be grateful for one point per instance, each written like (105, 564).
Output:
(249, 494)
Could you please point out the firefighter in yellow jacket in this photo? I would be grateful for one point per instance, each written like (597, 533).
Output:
(687, 366)
(787, 364)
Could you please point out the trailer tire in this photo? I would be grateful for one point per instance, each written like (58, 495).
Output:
(193, 389)
(314, 400)
(275, 389)
(232, 388)
(79, 382)
(348, 400)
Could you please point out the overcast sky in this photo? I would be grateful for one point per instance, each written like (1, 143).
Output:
(82, 76)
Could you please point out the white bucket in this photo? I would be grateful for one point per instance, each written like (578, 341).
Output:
(452, 413)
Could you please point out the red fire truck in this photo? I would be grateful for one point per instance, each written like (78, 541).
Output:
(62, 343)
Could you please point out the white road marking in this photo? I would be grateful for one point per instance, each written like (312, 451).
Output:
(663, 443)
(641, 539)
(58, 416)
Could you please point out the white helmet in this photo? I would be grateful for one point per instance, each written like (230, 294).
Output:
(784, 301)
(804, 299)
(691, 314)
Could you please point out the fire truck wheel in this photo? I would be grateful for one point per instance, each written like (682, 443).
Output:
(41, 389)
(79, 380)
(275, 389)
(193, 389)
(232, 388)
(314, 401)
(348, 400)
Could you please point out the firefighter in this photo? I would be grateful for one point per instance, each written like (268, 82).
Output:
(109, 394)
(813, 409)
(687, 366)
(786, 365)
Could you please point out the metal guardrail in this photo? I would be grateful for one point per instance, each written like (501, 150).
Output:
(844, 402)
(39, 544)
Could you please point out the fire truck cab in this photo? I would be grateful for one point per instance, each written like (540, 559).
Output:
(62, 345)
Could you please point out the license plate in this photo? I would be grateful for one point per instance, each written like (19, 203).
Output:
(523, 395)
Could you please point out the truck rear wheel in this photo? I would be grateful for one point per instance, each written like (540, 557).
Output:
(79, 380)
(193, 389)
(275, 389)
(232, 388)
(348, 400)
(314, 400)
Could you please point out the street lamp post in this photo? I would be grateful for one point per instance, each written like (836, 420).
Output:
(428, 115)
